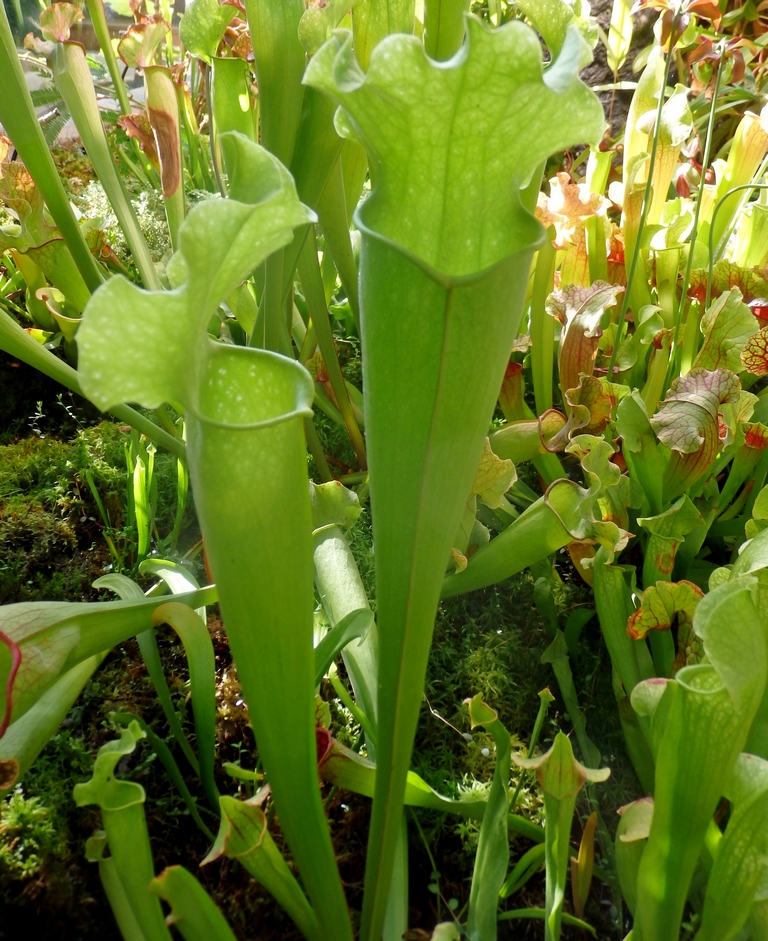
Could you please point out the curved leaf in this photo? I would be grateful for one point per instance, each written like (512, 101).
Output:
(436, 136)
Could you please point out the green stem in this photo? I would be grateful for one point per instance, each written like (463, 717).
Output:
(312, 282)
(357, 714)
(73, 79)
(647, 196)
(545, 699)
(444, 27)
(18, 117)
(101, 28)
(542, 325)
(696, 212)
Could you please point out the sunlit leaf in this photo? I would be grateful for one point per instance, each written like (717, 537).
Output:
(727, 327)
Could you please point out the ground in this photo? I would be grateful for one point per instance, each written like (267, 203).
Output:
(488, 642)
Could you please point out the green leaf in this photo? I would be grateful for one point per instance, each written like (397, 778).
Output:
(590, 407)
(221, 242)
(726, 276)
(556, 654)
(245, 411)
(555, 19)
(317, 23)
(280, 60)
(457, 264)
(122, 811)
(193, 911)
(493, 478)
(639, 447)
(525, 439)
(561, 778)
(244, 835)
(354, 625)
(57, 20)
(619, 34)
(631, 835)
(20, 121)
(691, 405)
(735, 640)
(126, 589)
(104, 789)
(139, 45)
(198, 647)
(741, 863)
(666, 532)
(95, 847)
(333, 504)
(203, 25)
(518, 914)
(726, 325)
(700, 734)
(661, 605)
(687, 423)
(492, 857)
(49, 638)
(460, 133)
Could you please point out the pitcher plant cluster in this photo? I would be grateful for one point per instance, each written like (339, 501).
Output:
(397, 175)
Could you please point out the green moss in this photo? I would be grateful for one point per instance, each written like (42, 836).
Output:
(148, 204)
(52, 531)
(27, 836)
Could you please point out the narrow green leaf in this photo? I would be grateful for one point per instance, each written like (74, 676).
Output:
(73, 79)
(127, 589)
(17, 114)
(492, 856)
(244, 835)
(193, 911)
(521, 913)
(25, 738)
(619, 34)
(202, 682)
(354, 625)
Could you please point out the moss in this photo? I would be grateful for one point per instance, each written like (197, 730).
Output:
(148, 204)
(75, 169)
(52, 531)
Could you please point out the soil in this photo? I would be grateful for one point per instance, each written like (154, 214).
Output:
(27, 392)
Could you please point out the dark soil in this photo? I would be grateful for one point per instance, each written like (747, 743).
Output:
(27, 393)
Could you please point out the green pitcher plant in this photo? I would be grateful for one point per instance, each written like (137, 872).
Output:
(246, 408)
(629, 310)
(461, 266)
